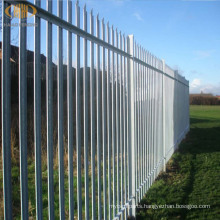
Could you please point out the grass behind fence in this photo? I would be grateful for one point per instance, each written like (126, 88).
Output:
(192, 176)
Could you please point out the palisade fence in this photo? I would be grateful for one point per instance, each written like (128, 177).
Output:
(138, 113)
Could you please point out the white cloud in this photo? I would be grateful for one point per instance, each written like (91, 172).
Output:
(138, 16)
(195, 83)
(197, 86)
(202, 54)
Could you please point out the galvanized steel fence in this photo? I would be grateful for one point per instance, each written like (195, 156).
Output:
(138, 114)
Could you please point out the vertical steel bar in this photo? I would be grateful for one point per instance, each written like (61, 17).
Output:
(139, 121)
(163, 116)
(104, 137)
(92, 115)
(23, 117)
(125, 126)
(6, 112)
(117, 123)
(98, 92)
(146, 125)
(70, 111)
(156, 115)
(86, 119)
(37, 115)
(113, 126)
(129, 179)
(60, 112)
(121, 125)
(136, 117)
(78, 117)
(160, 147)
(146, 128)
(142, 122)
(49, 103)
(154, 119)
(153, 112)
(143, 115)
(145, 119)
(159, 114)
(158, 118)
(148, 121)
(138, 105)
(109, 123)
(151, 119)
(131, 100)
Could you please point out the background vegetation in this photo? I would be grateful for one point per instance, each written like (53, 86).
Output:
(204, 99)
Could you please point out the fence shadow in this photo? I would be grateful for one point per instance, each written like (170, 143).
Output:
(198, 120)
(205, 140)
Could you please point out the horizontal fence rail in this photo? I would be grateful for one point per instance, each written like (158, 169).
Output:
(113, 111)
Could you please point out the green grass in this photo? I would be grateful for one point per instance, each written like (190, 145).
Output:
(193, 173)
(31, 192)
(192, 177)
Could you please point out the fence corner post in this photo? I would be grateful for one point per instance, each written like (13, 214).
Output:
(163, 116)
(131, 84)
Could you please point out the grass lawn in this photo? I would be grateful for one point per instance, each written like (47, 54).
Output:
(193, 173)
(192, 177)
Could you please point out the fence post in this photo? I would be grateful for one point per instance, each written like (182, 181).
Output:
(6, 113)
(163, 117)
(131, 78)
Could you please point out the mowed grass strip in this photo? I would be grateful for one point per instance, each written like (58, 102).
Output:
(193, 173)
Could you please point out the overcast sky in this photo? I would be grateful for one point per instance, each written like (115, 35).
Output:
(184, 33)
